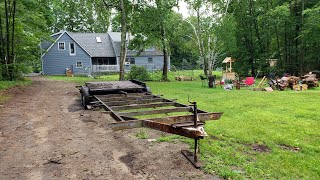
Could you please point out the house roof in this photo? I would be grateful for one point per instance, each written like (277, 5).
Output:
(117, 48)
(116, 38)
(109, 46)
(89, 42)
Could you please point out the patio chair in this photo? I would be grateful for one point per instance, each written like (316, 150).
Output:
(249, 81)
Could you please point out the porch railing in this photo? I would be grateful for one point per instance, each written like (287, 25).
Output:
(105, 68)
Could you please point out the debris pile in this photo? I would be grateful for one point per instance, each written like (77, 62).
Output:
(310, 80)
(295, 83)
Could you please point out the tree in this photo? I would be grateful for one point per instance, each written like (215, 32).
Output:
(151, 26)
(122, 7)
(7, 38)
(80, 16)
(207, 22)
(25, 25)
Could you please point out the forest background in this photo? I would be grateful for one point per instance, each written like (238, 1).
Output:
(251, 31)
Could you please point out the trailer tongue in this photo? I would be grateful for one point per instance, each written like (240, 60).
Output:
(130, 102)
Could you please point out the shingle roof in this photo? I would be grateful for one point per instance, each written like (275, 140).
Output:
(89, 43)
(109, 47)
(117, 47)
(116, 38)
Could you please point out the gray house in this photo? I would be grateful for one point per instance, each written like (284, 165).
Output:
(84, 53)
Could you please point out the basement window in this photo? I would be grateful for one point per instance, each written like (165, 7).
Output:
(98, 39)
(61, 46)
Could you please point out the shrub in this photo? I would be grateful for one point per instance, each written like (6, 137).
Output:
(138, 73)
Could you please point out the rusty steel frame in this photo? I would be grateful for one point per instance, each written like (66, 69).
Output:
(115, 97)
(183, 125)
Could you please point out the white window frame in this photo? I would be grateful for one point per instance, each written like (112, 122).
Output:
(64, 46)
(79, 62)
(74, 46)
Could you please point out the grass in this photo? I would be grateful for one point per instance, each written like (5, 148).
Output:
(81, 80)
(170, 138)
(9, 84)
(279, 121)
(261, 135)
(142, 134)
(155, 76)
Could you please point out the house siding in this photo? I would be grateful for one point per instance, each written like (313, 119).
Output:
(143, 61)
(56, 61)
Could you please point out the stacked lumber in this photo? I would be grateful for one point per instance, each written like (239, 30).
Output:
(184, 78)
(301, 87)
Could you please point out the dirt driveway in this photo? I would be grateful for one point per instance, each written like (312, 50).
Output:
(45, 134)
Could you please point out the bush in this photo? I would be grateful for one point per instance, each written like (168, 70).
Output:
(138, 73)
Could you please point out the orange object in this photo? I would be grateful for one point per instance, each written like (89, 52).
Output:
(69, 73)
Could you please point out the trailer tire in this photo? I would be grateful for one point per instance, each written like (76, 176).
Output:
(85, 97)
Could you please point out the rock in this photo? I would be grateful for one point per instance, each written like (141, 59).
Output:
(152, 140)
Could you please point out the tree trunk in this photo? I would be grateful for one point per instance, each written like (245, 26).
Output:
(12, 39)
(1, 44)
(7, 61)
(302, 52)
(13, 26)
(278, 42)
(210, 57)
(202, 54)
(123, 50)
(7, 41)
(165, 53)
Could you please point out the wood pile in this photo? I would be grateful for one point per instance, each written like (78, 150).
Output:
(310, 80)
(295, 83)
(184, 78)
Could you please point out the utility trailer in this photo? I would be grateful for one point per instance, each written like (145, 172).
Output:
(125, 101)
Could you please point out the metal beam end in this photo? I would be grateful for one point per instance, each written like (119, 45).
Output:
(190, 156)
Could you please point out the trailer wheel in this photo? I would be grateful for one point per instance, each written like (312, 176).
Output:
(85, 97)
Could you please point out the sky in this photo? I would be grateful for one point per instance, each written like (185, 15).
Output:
(182, 9)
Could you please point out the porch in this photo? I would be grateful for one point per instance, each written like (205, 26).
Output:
(105, 64)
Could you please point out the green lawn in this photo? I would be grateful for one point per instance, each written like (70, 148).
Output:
(261, 135)
(282, 126)
(155, 76)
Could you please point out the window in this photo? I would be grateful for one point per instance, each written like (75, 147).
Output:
(104, 61)
(61, 46)
(98, 39)
(72, 49)
(150, 60)
(130, 61)
(79, 64)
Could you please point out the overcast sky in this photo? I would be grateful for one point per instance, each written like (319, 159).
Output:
(182, 9)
